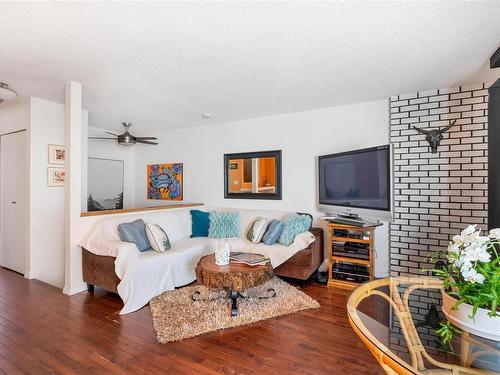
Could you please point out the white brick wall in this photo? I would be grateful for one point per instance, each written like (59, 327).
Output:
(436, 195)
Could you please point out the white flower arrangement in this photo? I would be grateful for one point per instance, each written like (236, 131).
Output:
(471, 274)
(472, 271)
(469, 247)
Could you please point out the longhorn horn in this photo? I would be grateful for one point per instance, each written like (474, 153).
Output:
(421, 130)
(445, 129)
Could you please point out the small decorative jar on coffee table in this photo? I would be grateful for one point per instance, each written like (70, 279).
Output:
(234, 278)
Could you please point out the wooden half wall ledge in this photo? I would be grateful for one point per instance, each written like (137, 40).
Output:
(140, 209)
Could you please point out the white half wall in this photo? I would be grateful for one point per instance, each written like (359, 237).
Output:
(302, 136)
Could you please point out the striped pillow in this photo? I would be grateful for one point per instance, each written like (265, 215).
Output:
(257, 229)
(157, 238)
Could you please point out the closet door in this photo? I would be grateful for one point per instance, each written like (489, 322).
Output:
(13, 201)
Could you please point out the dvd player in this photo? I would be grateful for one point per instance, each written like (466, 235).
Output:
(358, 222)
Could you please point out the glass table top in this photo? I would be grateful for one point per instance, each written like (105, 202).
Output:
(398, 318)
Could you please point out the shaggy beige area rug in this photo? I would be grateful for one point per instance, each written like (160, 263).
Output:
(176, 316)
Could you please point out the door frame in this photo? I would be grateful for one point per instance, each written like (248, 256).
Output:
(27, 265)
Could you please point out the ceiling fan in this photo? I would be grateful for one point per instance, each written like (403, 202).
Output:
(128, 139)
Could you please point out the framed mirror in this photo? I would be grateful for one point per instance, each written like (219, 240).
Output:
(253, 175)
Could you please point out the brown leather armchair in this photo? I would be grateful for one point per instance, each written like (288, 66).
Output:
(303, 264)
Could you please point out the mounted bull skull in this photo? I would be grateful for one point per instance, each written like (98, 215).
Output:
(435, 136)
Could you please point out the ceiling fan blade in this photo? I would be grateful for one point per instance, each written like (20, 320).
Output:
(116, 135)
(114, 139)
(147, 138)
(138, 140)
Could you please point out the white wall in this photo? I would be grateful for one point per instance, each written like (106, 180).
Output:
(46, 203)
(44, 122)
(302, 136)
(75, 130)
(107, 149)
(15, 115)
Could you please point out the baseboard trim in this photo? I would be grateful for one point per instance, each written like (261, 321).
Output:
(74, 290)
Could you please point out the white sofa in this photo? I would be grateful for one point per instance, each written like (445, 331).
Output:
(145, 275)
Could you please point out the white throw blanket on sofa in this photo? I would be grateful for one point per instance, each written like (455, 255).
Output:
(148, 274)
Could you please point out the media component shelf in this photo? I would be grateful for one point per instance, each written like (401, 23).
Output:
(350, 250)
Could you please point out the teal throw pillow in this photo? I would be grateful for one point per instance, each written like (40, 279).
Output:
(224, 224)
(293, 226)
(200, 223)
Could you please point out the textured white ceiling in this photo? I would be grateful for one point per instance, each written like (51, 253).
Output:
(162, 64)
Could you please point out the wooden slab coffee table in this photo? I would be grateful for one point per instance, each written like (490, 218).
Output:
(234, 278)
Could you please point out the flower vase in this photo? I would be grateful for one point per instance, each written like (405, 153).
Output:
(482, 325)
(222, 251)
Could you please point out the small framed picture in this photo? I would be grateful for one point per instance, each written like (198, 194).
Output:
(55, 176)
(57, 154)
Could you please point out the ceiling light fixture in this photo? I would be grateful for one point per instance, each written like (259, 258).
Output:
(127, 139)
(6, 93)
(206, 115)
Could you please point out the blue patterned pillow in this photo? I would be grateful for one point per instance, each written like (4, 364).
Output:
(135, 232)
(273, 232)
(293, 226)
(224, 224)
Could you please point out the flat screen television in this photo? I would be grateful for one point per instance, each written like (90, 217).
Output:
(357, 183)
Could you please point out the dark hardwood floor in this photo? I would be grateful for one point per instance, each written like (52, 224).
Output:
(43, 331)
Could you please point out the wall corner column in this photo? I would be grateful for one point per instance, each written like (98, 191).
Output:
(73, 282)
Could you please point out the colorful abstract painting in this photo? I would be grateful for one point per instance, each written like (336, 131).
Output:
(165, 181)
